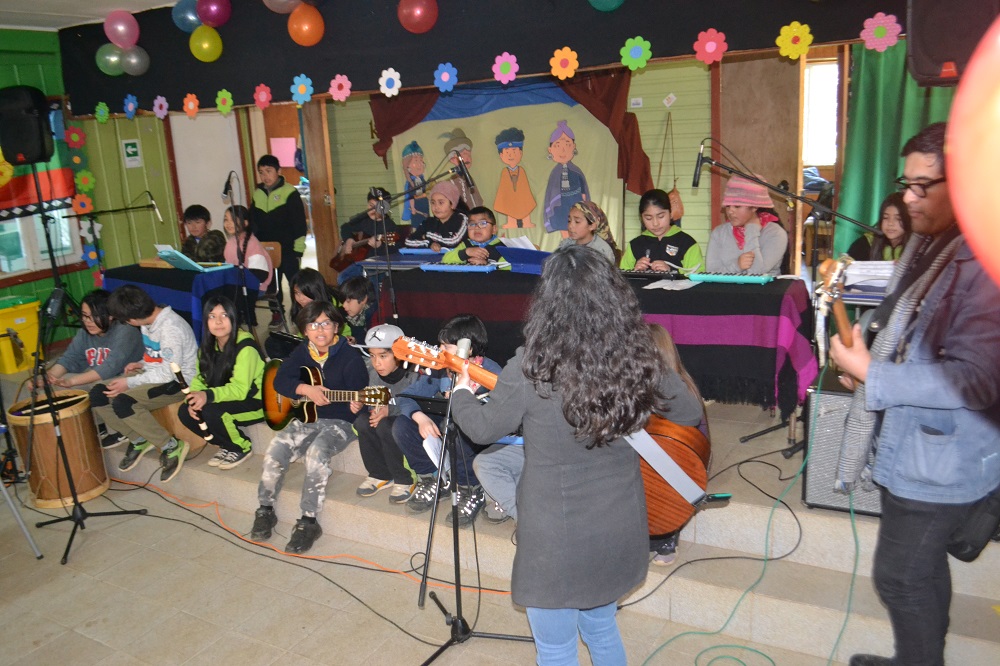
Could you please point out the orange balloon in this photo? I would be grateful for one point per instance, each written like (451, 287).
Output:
(971, 149)
(305, 25)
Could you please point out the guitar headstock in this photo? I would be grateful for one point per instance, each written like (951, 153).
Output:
(833, 272)
(422, 354)
(375, 396)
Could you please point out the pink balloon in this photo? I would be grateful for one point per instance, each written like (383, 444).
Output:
(214, 13)
(122, 29)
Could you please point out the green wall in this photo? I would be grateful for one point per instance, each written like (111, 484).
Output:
(356, 167)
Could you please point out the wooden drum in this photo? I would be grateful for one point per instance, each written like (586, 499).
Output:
(83, 449)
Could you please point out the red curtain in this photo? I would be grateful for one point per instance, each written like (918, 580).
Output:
(395, 115)
(605, 95)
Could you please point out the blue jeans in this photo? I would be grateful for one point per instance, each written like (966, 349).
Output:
(555, 631)
(406, 432)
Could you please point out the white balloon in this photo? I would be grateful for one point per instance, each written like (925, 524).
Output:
(135, 61)
(282, 6)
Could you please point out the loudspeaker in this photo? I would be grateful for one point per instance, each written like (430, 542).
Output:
(25, 133)
(829, 410)
(941, 36)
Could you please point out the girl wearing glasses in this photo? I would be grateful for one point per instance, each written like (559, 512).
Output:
(894, 223)
(480, 248)
(226, 392)
(342, 369)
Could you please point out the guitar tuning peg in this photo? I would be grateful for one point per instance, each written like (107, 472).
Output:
(428, 371)
(406, 364)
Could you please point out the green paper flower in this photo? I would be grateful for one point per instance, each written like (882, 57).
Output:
(636, 53)
(84, 181)
(224, 101)
(102, 113)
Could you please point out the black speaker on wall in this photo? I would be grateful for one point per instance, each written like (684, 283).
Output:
(829, 410)
(25, 132)
(941, 36)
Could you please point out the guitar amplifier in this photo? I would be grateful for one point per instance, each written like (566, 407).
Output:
(828, 408)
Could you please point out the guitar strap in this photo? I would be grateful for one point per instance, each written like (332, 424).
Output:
(665, 466)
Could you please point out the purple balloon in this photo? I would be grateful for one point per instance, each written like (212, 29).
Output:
(122, 29)
(214, 13)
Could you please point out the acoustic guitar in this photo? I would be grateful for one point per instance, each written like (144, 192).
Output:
(360, 251)
(687, 445)
(279, 410)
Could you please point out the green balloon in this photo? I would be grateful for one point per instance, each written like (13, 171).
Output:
(109, 59)
(606, 5)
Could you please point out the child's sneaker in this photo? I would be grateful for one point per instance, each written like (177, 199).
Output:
(371, 486)
(494, 513)
(217, 458)
(469, 500)
(666, 552)
(112, 440)
(402, 492)
(304, 535)
(233, 459)
(134, 454)
(172, 459)
(264, 521)
(423, 495)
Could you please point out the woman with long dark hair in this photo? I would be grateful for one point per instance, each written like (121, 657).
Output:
(226, 392)
(588, 374)
(242, 247)
(894, 223)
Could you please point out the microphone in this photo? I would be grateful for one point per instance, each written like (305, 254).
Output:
(156, 209)
(464, 348)
(697, 166)
(464, 170)
(227, 188)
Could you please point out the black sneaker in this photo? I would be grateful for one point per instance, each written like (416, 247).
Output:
(134, 454)
(304, 535)
(172, 459)
(113, 440)
(469, 500)
(234, 458)
(423, 495)
(264, 521)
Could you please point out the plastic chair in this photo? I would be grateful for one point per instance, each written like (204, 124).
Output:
(270, 296)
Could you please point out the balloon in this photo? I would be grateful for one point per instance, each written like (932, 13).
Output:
(606, 5)
(214, 13)
(417, 16)
(314, 3)
(305, 25)
(185, 15)
(972, 144)
(109, 59)
(205, 43)
(135, 61)
(122, 29)
(282, 6)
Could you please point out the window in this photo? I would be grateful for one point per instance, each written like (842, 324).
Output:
(819, 127)
(23, 247)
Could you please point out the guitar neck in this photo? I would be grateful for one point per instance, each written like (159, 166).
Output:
(334, 395)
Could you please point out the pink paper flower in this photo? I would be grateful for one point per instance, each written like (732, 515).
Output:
(262, 96)
(75, 137)
(505, 68)
(160, 107)
(340, 88)
(710, 46)
(881, 31)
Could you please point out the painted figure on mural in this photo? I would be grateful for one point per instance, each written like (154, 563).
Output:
(416, 206)
(458, 145)
(514, 198)
(567, 184)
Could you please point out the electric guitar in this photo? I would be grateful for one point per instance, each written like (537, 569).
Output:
(687, 445)
(829, 298)
(360, 251)
(279, 410)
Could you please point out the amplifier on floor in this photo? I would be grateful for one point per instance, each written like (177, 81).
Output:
(829, 408)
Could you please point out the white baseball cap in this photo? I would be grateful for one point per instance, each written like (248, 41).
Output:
(381, 337)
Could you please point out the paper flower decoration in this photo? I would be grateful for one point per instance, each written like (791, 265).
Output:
(710, 46)
(130, 106)
(224, 101)
(84, 181)
(75, 137)
(564, 63)
(340, 88)
(505, 68)
(85, 231)
(794, 40)
(881, 31)
(191, 105)
(262, 96)
(82, 204)
(6, 172)
(77, 159)
(445, 77)
(636, 53)
(160, 107)
(92, 255)
(302, 89)
(389, 83)
(102, 112)
(98, 279)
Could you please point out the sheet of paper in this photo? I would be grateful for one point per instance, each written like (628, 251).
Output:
(672, 285)
(519, 241)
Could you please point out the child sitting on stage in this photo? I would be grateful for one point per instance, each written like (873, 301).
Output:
(480, 248)
(383, 459)
(243, 249)
(226, 392)
(662, 246)
(355, 297)
(588, 225)
(447, 228)
(752, 240)
(343, 369)
(126, 403)
(413, 427)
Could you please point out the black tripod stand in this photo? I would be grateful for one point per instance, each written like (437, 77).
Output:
(460, 630)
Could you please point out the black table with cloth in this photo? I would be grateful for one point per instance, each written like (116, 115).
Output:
(742, 343)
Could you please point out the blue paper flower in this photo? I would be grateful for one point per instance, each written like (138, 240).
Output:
(302, 89)
(445, 77)
(91, 255)
(131, 106)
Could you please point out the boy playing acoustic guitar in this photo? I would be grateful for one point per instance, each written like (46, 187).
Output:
(343, 369)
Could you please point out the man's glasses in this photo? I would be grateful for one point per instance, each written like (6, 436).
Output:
(918, 188)
(480, 224)
(316, 325)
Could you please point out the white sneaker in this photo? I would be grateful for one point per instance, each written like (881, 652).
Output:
(371, 486)
(217, 458)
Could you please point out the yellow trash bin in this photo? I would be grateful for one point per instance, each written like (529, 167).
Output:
(18, 314)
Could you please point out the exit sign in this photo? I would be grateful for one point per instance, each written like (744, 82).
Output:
(131, 153)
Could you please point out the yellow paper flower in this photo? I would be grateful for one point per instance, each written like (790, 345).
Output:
(794, 40)
(564, 63)
(6, 171)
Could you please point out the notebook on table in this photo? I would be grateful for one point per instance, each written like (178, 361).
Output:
(185, 263)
